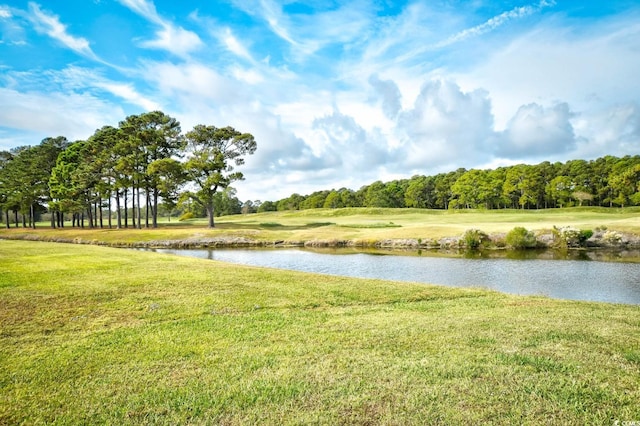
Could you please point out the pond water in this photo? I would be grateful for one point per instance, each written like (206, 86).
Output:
(616, 282)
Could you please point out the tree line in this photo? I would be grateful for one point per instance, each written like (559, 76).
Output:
(147, 165)
(608, 181)
(144, 162)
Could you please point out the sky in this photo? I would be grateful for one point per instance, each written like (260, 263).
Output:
(337, 93)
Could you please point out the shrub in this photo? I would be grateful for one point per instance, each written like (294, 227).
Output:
(474, 238)
(572, 237)
(612, 237)
(585, 234)
(521, 238)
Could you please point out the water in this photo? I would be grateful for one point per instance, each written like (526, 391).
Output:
(616, 282)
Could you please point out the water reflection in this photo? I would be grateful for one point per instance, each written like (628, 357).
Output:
(579, 275)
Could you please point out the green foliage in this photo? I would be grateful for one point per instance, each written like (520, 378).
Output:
(521, 238)
(571, 237)
(213, 155)
(475, 238)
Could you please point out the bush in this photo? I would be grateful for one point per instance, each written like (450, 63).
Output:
(585, 234)
(474, 238)
(612, 237)
(521, 238)
(572, 237)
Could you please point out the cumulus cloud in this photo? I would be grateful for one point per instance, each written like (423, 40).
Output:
(389, 94)
(350, 146)
(446, 126)
(561, 63)
(614, 130)
(536, 131)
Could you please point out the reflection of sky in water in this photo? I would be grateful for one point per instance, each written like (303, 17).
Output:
(563, 279)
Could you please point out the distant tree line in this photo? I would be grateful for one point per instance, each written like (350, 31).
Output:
(608, 181)
(144, 165)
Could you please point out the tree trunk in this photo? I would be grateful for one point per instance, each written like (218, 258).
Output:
(126, 209)
(6, 216)
(139, 209)
(109, 211)
(118, 212)
(155, 207)
(146, 208)
(32, 217)
(133, 207)
(210, 213)
(100, 211)
(90, 217)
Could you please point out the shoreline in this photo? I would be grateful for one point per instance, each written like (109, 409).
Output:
(544, 240)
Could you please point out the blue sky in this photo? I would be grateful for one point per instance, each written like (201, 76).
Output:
(336, 93)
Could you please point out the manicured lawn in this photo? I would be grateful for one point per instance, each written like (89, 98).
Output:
(355, 224)
(95, 335)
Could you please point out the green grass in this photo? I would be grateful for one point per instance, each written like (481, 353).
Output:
(95, 335)
(355, 224)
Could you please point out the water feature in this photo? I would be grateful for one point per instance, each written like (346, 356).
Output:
(617, 282)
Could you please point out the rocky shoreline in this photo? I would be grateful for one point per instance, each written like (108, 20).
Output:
(599, 239)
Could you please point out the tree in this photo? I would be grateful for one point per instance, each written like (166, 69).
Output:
(212, 154)
(560, 190)
(627, 186)
(147, 138)
(5, 185)
(28, 175)
(169, 175)
(471, 189)
(267, 206)
(333, 200)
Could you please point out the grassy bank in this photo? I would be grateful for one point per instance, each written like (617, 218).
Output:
(99, 335)
(352, 224)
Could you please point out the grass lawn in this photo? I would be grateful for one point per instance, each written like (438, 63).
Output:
(94, 335)
(355, 224)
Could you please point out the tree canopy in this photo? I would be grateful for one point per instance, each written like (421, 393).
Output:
(137, 164)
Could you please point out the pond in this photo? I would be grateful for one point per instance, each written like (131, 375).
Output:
(577, 279)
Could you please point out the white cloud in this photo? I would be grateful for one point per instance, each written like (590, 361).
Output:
(493, 23)
(51, 26)
(556, 62)
(53, 112)
(234, 45)
(192, 83)
(143, 8)
(614, 131)
(446, 127)
(536, 131)
(169, 37)
(5, 12)
(176, 40)
(389, 95)
(347, 145)
(129, 94)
